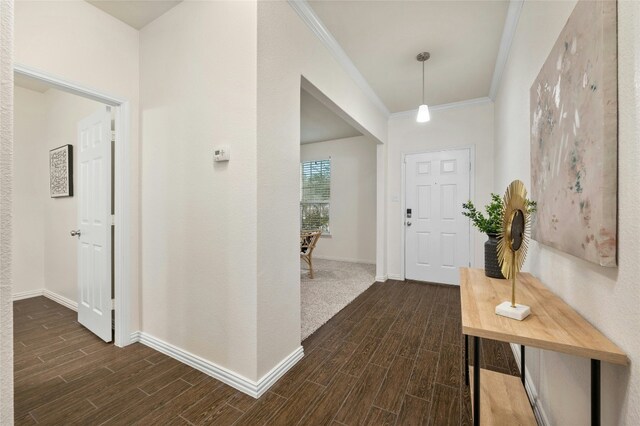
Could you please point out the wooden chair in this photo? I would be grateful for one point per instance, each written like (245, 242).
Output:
(308, 241)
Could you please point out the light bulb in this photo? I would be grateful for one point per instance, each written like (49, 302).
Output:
(423, 114)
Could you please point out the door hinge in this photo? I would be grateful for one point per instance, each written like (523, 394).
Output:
(113, 304)
(113, 220)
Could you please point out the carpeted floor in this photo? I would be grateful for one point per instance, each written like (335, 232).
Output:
(334, 286)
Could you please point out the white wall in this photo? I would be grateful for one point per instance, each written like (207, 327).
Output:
(606, 297)
(45, 255)
(30, 162)
(6, 181)
(353, 198)
(453, 128)
(76, 41)
(288, 50)
(198, 90)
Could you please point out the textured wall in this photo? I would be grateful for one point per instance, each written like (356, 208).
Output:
(606, 297)
(6, 148)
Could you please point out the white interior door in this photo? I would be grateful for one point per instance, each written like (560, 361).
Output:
(436, 233)
(94, 217)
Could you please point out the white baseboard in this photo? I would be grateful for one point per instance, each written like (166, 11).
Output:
(27, 294)
(135, 337)
(235, 380)
(278, 371)
(345, 259)
(396, 277)
(49, 295)
(381, 279)
(61, 300)
(532, 393)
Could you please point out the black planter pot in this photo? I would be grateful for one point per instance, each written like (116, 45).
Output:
(491, 264)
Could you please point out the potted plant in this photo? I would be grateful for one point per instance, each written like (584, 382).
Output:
(491, 224)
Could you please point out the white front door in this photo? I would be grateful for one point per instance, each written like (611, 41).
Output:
(436, 232)
(94, 217)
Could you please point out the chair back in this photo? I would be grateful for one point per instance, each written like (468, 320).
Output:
(308, 241)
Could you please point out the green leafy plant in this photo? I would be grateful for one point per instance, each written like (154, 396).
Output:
(492, 222)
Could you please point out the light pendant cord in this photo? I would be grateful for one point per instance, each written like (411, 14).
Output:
(422, 82)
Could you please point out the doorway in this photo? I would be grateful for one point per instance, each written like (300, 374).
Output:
(337, 211)
(113, 301)
(437, 236)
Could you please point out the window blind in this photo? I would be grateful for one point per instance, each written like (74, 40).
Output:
(315, 195)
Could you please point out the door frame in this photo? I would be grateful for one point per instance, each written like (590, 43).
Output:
(403, 191)
(122, 186)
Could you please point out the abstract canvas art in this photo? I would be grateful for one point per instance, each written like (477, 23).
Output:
(61, 171)
(574, 137)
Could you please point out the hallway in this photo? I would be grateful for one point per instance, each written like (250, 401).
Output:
(392, 356)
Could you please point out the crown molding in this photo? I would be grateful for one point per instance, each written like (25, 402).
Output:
(508, 33)
(317, 27)
(442, 107)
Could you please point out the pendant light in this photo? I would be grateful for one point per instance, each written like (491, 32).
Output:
(423, 111)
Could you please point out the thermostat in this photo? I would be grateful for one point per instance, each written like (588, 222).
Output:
(221, 153)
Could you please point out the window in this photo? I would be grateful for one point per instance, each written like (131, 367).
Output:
(315, 195)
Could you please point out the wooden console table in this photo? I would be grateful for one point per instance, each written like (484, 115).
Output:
(553, 325)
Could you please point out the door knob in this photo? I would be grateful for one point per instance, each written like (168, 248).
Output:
(75, 233)
(408, 223)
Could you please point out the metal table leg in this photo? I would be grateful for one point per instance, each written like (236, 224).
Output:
(476, 381)
(466, 360)
(522, 353)
(595, 392)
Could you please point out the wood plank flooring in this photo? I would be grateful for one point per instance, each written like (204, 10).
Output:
(394, 356)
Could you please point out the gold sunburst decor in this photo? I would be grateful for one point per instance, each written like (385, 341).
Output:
(513, 244)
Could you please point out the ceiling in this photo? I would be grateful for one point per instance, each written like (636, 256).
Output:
(135, 13)
(318, 123)
(382, 38)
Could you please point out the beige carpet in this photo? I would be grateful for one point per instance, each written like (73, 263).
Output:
(334, 286)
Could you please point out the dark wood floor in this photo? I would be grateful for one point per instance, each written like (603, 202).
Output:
(393, 356)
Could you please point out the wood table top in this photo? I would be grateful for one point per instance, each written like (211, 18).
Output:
(552, 324)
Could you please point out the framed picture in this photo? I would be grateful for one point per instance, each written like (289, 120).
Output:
(61, 171)
(574, 137)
